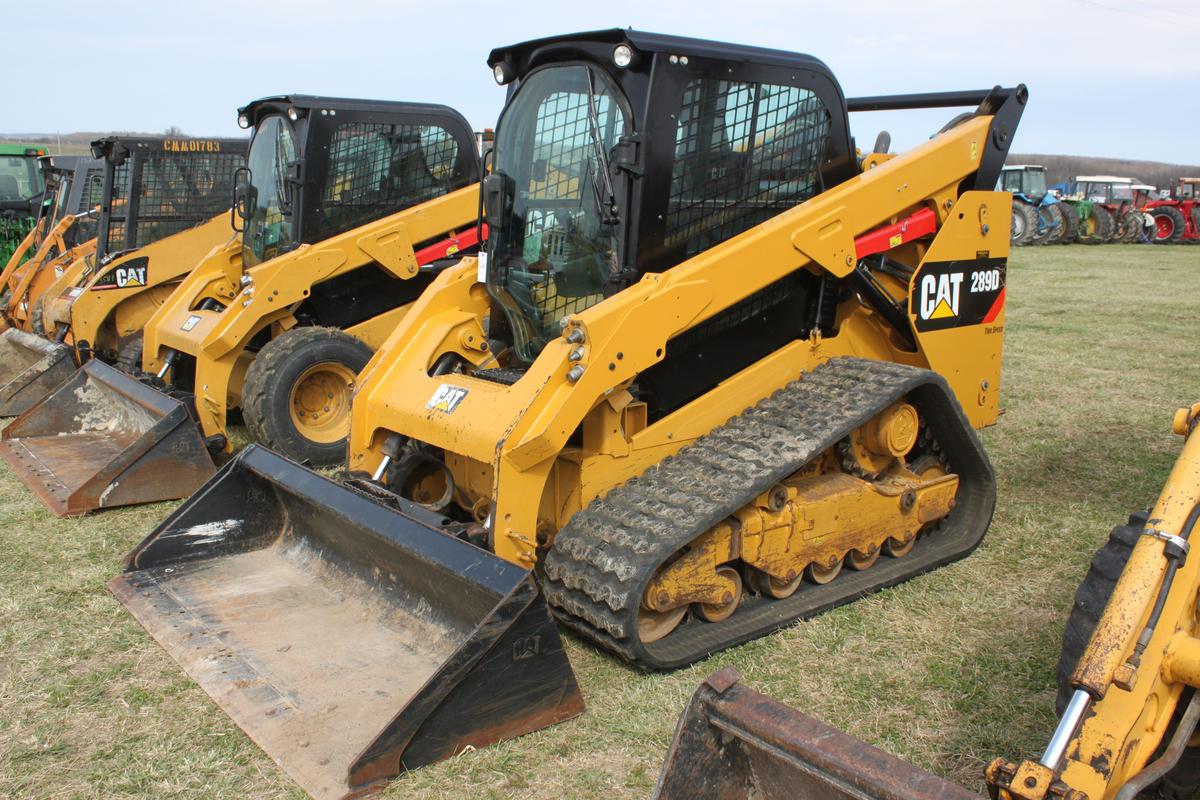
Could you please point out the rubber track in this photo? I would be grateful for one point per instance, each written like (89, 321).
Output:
(601, 562)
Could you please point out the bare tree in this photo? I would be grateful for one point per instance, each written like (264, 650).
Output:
(174, 131)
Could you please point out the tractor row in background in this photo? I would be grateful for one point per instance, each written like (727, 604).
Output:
(1099, 209)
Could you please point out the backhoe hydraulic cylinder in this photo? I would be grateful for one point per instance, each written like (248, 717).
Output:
(1065, 731)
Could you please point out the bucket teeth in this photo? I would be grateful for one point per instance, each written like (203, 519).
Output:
(351, 641)
(102, 439)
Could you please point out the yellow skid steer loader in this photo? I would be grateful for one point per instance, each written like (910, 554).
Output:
(711, 358)
(349, 209)
(1128, 675)
(30, 366)
(163, 206)
(65, 229)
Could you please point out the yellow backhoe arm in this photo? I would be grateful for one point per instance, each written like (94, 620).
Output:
(1142, 656)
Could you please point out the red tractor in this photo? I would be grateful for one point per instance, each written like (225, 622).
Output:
(1177, 219)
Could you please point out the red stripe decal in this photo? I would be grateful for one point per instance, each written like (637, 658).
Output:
(994, 311)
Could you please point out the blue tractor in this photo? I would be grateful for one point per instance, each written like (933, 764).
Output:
(1037, 216)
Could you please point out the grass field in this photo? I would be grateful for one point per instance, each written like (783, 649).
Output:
(948, 670)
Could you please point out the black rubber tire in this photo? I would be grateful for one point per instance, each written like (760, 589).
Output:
(1051, 226)
(129, 356)
(37, 319)
(1106, 225)
(1196, 223)
(1090, 599)
(1070, 224)
(1177, 220)
(1131, 227)
(1182, 782)
(268, 387)
(1024, 224)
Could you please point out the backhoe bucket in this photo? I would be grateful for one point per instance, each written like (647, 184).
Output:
(351, 641)
(30, 368)
(103, 439)
(733, 743)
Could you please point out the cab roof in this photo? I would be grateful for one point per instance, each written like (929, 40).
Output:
(1103, 179)
(279, 104)
(525, 55)
(108, 146)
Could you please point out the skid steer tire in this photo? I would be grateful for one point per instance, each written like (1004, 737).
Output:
(278, 398)
(129, 357)
(37, 319)
(1024, 223)
(1169, 224)
(1070, 232)
(1091, 597)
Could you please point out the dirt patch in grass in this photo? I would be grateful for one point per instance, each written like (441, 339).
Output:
(948, 670)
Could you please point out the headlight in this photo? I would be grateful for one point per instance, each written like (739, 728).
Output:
(623, 55)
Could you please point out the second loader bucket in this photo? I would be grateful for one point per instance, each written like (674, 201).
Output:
(351, 641)
(103, 439)
(30, 367)
(733, 743)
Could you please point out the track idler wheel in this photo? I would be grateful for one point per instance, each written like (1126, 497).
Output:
(823, 574)
(654, 625)
(722, 611)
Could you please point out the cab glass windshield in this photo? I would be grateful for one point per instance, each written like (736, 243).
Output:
(268, 230)
(20, 178)
(553, 237)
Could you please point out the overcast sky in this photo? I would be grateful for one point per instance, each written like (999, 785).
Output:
(1106, 77)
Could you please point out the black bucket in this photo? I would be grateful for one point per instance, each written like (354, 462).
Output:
(351, 641)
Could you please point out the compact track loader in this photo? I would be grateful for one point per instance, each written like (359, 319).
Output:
(1128, 675)
(348, 209)
(710, 358)
(163, 205)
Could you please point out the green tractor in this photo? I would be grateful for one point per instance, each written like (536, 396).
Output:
(21, 189)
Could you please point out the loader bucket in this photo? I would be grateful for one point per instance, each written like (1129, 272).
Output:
(103, 439)
(30, 367)
(351, 641)
(733, 743)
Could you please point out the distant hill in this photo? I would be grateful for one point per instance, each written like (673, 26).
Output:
(70, 144)
(1058, 168)
(1064, 168)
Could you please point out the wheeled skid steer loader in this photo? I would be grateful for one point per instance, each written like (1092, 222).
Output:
(163, 205)
(711, 358)
(347, 209)
(56, 177)
(65, 230)
(1128, 675)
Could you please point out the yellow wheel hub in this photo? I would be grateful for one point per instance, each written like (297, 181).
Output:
(320, 402)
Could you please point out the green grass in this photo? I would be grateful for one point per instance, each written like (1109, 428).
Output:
(948, 670)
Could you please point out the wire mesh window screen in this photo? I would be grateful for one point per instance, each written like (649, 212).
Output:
(744, 152)
(90, 194)
(566, 253)
(175, 191)
(376, 169)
